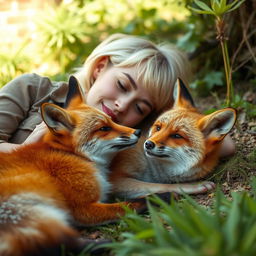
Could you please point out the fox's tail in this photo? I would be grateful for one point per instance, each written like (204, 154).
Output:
(33, 225)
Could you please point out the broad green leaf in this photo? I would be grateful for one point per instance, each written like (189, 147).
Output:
(231, 227)
(200, 11)
(145, 234)
(203, 6)
(216, 7)
(223, 4)
(213, 78)
(159, 229)
(232, 8)
(249, 239)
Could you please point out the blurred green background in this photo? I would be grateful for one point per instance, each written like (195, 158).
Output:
(55, 37)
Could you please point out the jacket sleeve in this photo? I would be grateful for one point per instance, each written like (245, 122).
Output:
(16, 99)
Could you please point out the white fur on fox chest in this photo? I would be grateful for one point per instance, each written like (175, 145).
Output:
(166, 172)
(105, 186)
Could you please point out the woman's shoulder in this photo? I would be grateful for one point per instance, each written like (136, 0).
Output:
(37, 81)
(28, 80)
(33, 79)
(35, 85)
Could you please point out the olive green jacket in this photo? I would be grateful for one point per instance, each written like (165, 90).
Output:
(20, 102)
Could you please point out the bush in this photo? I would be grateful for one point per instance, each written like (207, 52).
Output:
(13, 62)
(187, 228)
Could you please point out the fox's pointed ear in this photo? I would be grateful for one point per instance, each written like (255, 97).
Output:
(56, 118)
(218, 124)
(75, 93)
(181, 95)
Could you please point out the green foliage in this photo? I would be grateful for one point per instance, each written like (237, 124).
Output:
(70, 31)
(13, 62)
(187, 228)
(61, 32)
(207, 83)
(218, 8)
(239, 103)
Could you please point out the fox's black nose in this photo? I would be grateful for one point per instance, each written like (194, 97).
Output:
(149, 144)
(137, 132)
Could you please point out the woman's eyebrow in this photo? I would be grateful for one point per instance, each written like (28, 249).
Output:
(134, 85)
(148, 104)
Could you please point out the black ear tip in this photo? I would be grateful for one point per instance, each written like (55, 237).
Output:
(72, 80)
(73, 89)
(185, 92)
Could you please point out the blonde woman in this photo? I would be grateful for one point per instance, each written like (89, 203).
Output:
(127, 77)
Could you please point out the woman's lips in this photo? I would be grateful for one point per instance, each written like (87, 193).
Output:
(109, 112)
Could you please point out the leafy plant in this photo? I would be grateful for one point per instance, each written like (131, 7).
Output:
(206, 84)
(61, 32)
(13, 62)
(218, 8)
(187, 228)
(249, 108)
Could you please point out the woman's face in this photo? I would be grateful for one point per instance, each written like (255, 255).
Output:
(118, 93)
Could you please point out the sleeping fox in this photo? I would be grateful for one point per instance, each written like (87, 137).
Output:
(63, 178)
(183, 145)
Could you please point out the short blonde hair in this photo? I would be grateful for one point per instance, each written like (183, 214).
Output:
(158, 65)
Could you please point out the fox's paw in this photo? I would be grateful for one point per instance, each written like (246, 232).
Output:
(209, 185)
(139, 204)
(202, 187)
(193, 188)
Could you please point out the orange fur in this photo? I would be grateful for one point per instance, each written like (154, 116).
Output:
(46, 185)
(183, 145)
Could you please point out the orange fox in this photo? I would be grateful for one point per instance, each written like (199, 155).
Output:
(61, 179)
(183, 145)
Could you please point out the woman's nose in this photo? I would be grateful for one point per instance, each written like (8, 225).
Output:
(122, 104)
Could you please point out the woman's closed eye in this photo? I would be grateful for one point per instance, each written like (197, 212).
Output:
(139, 109)
(121, 86)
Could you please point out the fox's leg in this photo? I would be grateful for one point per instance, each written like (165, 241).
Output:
(100, 213)
(132, 188)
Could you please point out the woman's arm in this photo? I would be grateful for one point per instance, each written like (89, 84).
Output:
(16, 97)
(7, 147)
(16, 100)
(36, 135)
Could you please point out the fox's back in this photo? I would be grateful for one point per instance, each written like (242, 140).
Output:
(42, 169)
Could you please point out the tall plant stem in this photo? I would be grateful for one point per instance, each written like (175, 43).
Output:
(223, 42)
(227, 71)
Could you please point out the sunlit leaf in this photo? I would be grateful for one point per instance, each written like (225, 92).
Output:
(203, 6)
(234, 5)
(200, 11)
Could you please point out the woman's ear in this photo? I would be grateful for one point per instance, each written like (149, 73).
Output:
(100, 66)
